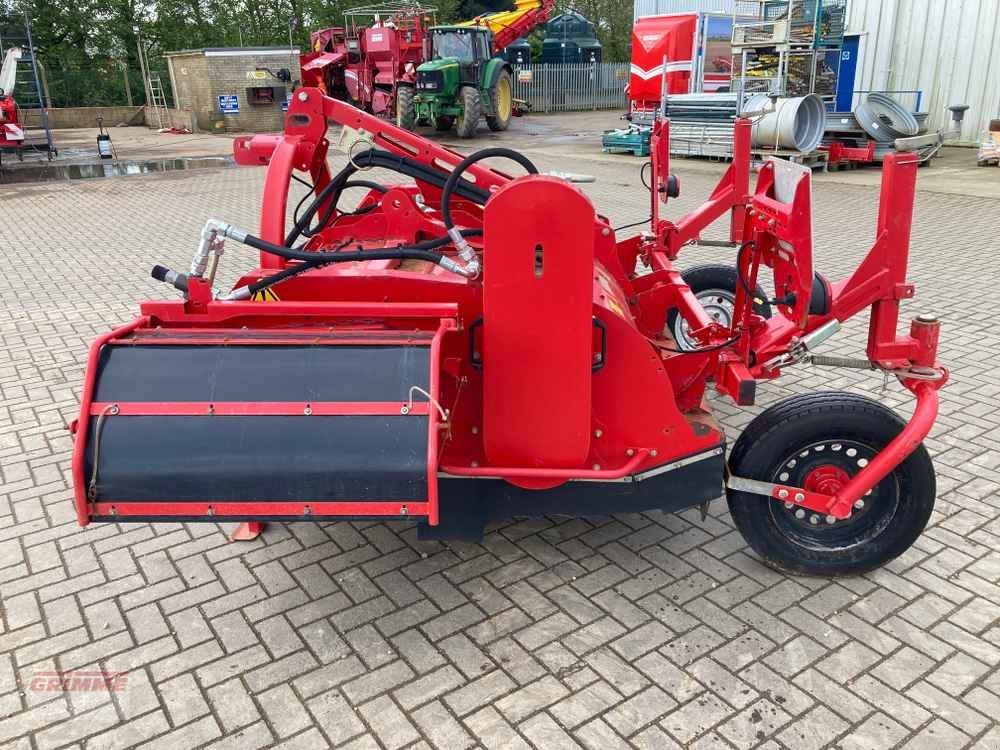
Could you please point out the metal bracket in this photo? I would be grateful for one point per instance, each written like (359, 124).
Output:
(784, 493)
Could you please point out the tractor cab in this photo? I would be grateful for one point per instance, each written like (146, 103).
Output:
(460, 83)
(462, 48)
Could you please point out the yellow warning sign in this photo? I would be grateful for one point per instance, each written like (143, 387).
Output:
(264, 295)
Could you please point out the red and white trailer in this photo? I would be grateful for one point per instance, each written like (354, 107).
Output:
(692, 51)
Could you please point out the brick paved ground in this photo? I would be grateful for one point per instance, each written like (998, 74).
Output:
(648, 631)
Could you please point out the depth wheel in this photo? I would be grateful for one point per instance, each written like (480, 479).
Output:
(818, 441)
(406, 113)
(714, 286)
(468, 121)
(503, 103)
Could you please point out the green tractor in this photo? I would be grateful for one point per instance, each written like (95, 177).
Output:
(461, 82)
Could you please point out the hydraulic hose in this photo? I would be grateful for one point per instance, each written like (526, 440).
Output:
(310, 260)
(454, 184)
(373, 158)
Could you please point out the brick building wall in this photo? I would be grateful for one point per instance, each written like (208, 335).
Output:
(200, 77)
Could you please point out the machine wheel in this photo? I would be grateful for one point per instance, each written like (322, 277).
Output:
(715, 288)
(818, 441)
(406, 113)
(444, 123)
(468, 121)
(503, 102)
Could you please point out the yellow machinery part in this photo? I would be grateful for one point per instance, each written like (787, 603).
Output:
(503, 19)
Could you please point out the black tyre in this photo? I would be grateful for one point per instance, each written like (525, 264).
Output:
(406, 113)
(444, 123)
(468, 121)
(715, 288)
(502, 96)
(817, 441)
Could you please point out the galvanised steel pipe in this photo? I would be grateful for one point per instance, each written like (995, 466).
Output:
(795, 124)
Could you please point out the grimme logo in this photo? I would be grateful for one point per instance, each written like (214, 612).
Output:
(79, 681)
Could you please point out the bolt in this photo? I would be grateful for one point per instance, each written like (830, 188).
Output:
(307, 511)
(404, 511)
(782, 494)
(308, 410)
(475, 464)
(475, 430)
(630, 452)
(597, 433)
(831, 520)
(799, 497)
(789, 506)
(800, 514)
(814, 519)
(927, 318)
(859, 504)
(597, 467)
(303, 96)
(653, 453)
(606, 231)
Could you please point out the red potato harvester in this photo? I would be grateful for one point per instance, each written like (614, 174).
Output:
(473, 346)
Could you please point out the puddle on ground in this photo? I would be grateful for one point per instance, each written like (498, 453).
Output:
(52, 172)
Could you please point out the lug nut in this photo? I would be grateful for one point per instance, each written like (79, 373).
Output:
(814, 519)
(800, 514)
(799, 497)
(831, 520)
(859, 504)
(782, 494)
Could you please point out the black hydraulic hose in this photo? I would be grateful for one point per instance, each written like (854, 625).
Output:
(455, 184)
(420, 251)
(374, 158)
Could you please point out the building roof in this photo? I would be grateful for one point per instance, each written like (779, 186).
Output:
(234, 51)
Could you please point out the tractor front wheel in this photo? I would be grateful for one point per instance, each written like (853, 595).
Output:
(819, 441)
(502, 96)
(406, 113)
(468, 121)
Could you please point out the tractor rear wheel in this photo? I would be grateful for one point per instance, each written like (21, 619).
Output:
(444, 123)
(818, 441)
(502, 96)
(468, 121)
(714, 286)
(406, 113)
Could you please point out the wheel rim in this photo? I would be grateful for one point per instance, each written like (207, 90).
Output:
(826, 466)
(504, 99)
(718, 303)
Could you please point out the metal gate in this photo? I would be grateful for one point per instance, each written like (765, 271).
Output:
(574, 87)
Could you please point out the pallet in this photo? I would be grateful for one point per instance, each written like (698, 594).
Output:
(815, 160)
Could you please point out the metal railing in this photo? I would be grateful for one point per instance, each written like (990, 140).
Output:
(574, 87)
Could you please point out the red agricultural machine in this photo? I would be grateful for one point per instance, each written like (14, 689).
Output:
(363, 62)
(11, 130)
(469, 346)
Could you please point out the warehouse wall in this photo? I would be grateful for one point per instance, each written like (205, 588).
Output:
(948, 48)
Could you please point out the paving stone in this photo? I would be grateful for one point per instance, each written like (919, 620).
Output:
(657, 630)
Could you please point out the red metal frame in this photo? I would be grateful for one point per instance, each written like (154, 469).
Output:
(419, 303)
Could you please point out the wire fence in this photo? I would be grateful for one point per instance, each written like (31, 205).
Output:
(573, 87)
(546, 87)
